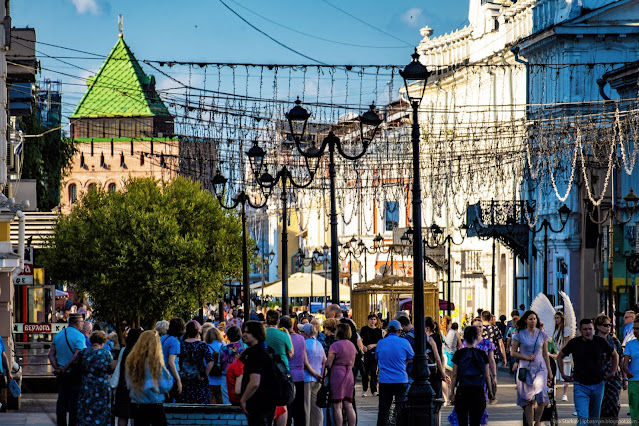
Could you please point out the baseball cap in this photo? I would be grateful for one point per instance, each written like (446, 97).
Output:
(394, 326)
(306, 328)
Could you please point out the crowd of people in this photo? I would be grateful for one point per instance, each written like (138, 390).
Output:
(230, 361)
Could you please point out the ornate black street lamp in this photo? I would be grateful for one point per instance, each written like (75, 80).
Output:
(265, 262)
(266, 181)
(564, 213)
(368, 124)
(315, 259)
(241, 199)
(611, 215)
(420, 397)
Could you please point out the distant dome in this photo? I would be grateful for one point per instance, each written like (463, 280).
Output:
(349, 116)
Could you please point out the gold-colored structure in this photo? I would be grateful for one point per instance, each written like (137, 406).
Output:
(384, 294)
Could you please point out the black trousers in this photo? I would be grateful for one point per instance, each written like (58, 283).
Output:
(296, 408)
(68, 395)
(370, 372)
(260, 417)
(148, 414)
(470, 404)
(386, 393)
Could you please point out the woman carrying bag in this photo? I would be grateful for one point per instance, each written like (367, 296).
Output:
(534, 374)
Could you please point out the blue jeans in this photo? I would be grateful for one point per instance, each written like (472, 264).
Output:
(588, 401)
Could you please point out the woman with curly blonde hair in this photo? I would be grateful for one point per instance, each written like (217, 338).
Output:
(148, 380)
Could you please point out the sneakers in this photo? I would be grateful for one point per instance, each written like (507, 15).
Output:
(493, 401)
(363, 394)
(564, 398)
(375, 393)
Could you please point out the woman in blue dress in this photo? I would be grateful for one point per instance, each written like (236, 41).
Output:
(530, 349)
(94, 406)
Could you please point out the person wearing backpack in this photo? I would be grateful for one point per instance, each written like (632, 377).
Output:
(196, 362)
(258, 377)
(468, 379)
(213, 338)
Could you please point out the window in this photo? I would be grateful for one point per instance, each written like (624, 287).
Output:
(102, 164)
(91, 187)
(112, 187)
(391, 215)
(73, 193)
(82, 159)
(122, 164)
(471, 262)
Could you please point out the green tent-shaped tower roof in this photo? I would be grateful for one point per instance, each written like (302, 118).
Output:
(120, 89)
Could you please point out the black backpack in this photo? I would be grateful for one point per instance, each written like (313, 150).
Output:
(284, 387)
(471, 369)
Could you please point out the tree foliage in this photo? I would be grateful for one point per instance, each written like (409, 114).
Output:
(149, 252)
(45, 159)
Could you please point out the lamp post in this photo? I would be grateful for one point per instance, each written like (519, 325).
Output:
(438, 239)
(267, 181)
(368, 124)
(316, 258)
(420, 397)
(611, 215)
(325, 251)
(265, 261)
(241, 199)
(564, 213)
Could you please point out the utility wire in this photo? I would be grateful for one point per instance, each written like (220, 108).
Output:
(314, 36)
(273, 39)
(367, 24)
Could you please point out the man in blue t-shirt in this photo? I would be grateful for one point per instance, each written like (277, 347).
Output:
(64, 350)
(393, 354)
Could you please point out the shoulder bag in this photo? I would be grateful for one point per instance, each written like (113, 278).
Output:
(522, 374)
(75, 369)
(323, 394)
(115, 377)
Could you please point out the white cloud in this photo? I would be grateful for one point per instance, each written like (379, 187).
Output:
(412, 16)
(86, 6)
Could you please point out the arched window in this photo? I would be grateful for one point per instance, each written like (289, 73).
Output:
(73, 193)
(92, 187)
(112, 187)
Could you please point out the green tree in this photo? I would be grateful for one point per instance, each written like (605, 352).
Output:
(45, 159)
(146, 253)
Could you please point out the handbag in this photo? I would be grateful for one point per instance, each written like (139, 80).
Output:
(323, 396)
(522, 374)
(75, 369)
(14, 388)
(115, 377)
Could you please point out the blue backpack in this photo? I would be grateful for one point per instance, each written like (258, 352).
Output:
(471, 369)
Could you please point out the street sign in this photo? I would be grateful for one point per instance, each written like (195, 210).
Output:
(26, 276)
(36, 328)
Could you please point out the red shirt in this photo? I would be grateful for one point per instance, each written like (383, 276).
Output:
(234, 371)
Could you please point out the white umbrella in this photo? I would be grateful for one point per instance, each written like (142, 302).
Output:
(299, 285)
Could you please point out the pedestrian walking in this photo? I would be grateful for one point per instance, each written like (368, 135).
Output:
(630, 367)
(588, 354)
(5, 370)
(561, 336)
(148, 380)
(258, 377)
(171, 350)
(371, 335)
(317, 361)
(452, 343)
(612, 383)
(341, 358)
(213, 338)
(494, 334)
(393, 354)
(297, 363)
(122, 402)
(279, 341)
(437, 373)
(228, 355)
(65, 348)
(469, 378)
(534, 374)
(196, 362)
(628, 321)
(94, 405)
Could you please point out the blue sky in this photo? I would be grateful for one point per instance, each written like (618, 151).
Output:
(205, 30)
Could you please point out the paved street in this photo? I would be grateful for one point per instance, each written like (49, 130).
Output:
(39, 409)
